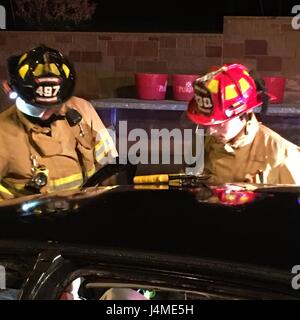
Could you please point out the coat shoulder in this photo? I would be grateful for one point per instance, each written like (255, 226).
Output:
(84, 107)
(277, 147)
(80, 103)
(9, 120)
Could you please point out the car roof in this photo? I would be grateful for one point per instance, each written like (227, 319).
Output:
(262, 231)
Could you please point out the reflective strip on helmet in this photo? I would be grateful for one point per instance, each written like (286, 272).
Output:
(244, 85)
(46, 100)
(38, 70)
(23, 57)
(23, 70)
(213, 86)
(48, 79)
(66, 70)
(230, 92)
(237, 104)
(246, 73)
(54, 69)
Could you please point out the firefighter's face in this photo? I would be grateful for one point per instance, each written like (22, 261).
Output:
(226, 131)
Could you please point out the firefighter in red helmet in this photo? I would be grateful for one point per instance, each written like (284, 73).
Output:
(49, 139)
(238, 148)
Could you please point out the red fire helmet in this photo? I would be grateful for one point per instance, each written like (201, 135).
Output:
(223, 94)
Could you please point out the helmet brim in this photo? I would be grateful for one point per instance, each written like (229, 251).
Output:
(29, 109)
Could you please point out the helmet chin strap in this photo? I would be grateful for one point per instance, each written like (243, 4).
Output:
(247, 116)
(29, 109)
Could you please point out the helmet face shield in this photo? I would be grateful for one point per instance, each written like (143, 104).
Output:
(42, 77)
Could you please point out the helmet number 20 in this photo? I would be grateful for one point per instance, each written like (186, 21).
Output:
(204, 102)
(47, 91)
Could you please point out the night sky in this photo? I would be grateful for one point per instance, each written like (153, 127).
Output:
(183, 15)
(169, 16)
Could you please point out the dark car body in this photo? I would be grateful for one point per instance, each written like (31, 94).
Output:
(196, 243)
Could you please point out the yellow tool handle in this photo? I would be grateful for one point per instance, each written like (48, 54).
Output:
(155, 178)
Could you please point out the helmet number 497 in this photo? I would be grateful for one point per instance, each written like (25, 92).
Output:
(47, 91)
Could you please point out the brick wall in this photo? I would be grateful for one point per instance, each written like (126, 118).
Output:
(268, 44)
(106, 62)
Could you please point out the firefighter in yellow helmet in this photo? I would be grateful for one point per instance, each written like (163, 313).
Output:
(49, 139)
(238, 148)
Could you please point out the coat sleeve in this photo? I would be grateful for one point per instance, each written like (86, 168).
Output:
(105, 150)
(289, 171)
(4, 192)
